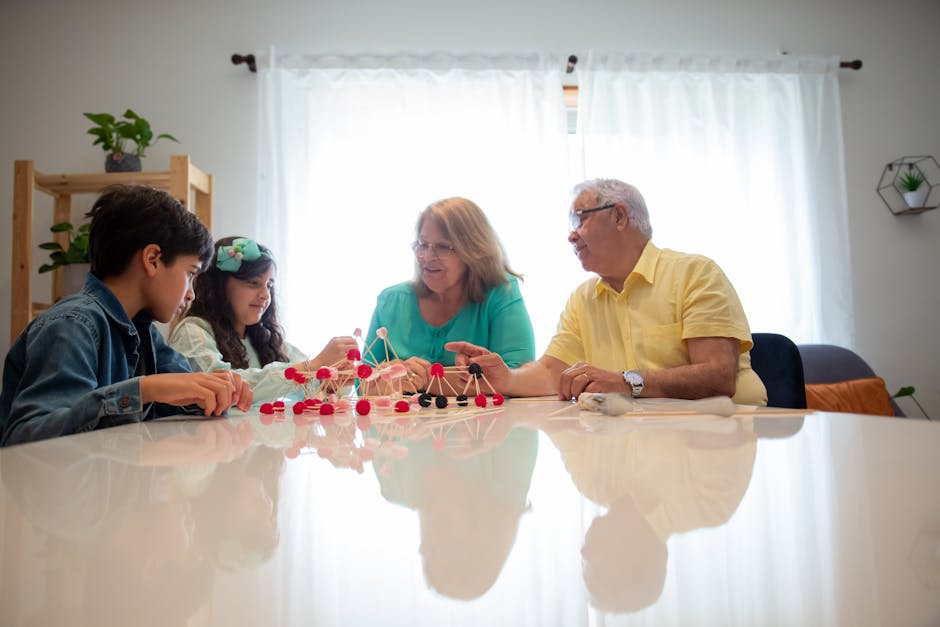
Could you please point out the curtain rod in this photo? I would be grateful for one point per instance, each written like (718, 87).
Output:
(249, 60)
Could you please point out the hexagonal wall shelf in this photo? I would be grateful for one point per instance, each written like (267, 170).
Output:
(899, 199)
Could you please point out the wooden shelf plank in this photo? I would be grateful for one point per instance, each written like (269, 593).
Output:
(94, 183)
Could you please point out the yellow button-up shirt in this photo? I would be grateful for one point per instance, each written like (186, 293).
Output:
(668, 298)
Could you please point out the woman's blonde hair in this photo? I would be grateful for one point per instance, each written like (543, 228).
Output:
(475, 243)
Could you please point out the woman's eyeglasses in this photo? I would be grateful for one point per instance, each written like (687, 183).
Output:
(423, 249)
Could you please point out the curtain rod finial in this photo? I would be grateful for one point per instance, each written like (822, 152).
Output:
(248, 59)
(572, 61)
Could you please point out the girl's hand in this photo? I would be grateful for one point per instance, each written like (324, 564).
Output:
(334, 353)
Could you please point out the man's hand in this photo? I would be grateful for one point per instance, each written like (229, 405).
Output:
(583, 377)
(494, 368)
(214, 392)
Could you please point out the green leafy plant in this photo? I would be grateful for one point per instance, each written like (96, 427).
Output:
(909, 391)
(113, 134)
(911, 180)
(76, 250)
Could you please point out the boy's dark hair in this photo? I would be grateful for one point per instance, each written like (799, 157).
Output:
(212, 305)
(126, 218)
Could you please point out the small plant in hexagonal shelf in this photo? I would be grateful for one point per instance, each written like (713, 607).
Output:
(911, 184)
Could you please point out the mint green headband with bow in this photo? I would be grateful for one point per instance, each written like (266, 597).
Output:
(229, 258)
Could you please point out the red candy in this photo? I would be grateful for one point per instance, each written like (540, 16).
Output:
(290, 372)
(363, 407)
(299, 407)
(364, 371)
(299, 378)
(278, 405)
(401, 407)
(437, 370)
(267, 408)
(311, 402)
(353, 354)
(498, 398)
(323, 373)
(326, 409)
(480, 400)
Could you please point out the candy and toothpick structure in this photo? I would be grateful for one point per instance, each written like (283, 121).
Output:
(368, 394)
(373, 386)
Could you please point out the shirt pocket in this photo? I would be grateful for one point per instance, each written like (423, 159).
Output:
(660, 346)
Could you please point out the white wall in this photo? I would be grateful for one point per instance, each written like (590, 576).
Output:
(169, 60)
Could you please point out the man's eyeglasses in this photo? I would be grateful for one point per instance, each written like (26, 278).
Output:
(575, 218)
(438, 250)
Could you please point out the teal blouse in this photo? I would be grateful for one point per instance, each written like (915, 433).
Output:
(500, 323)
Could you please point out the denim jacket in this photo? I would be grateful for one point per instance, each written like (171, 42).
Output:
(77, 367)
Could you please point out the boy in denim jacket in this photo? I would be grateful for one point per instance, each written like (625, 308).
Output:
(95, 359)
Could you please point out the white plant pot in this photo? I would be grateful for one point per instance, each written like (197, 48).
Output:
(73, 277)
(917, 197)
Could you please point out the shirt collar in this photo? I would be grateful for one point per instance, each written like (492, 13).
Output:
(644, 269)
(109, 303)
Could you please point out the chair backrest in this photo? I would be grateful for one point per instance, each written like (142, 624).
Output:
(776, 360)
(828, 363)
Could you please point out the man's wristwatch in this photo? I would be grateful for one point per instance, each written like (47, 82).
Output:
(635, 380)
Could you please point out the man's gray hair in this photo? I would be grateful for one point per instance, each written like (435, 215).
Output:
(611, 190)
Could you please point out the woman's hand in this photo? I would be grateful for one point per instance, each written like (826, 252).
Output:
(419, 372)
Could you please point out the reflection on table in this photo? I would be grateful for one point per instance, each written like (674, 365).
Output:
(536, 514)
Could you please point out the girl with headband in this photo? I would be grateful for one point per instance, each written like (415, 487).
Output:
(232, 323)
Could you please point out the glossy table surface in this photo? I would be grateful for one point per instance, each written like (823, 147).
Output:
(535, 515)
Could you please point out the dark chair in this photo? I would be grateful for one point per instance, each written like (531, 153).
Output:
(776, 360)
(827, 363)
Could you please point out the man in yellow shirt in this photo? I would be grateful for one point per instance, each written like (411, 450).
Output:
(652, 323)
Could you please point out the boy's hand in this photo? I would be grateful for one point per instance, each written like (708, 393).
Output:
(214, 392)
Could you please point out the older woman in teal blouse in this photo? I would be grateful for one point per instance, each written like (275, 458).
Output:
(463, 289)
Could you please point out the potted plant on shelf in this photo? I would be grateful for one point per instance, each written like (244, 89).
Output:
(113, 134)
(73, 258)
(911, 184)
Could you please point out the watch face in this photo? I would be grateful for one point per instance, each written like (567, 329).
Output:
(633, 378)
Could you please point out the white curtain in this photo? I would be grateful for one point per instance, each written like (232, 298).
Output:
(740, 160)
(353, 149)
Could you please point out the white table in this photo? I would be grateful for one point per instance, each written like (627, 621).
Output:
(524, 519)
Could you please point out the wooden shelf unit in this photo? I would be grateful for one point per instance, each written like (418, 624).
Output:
(183, 181)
